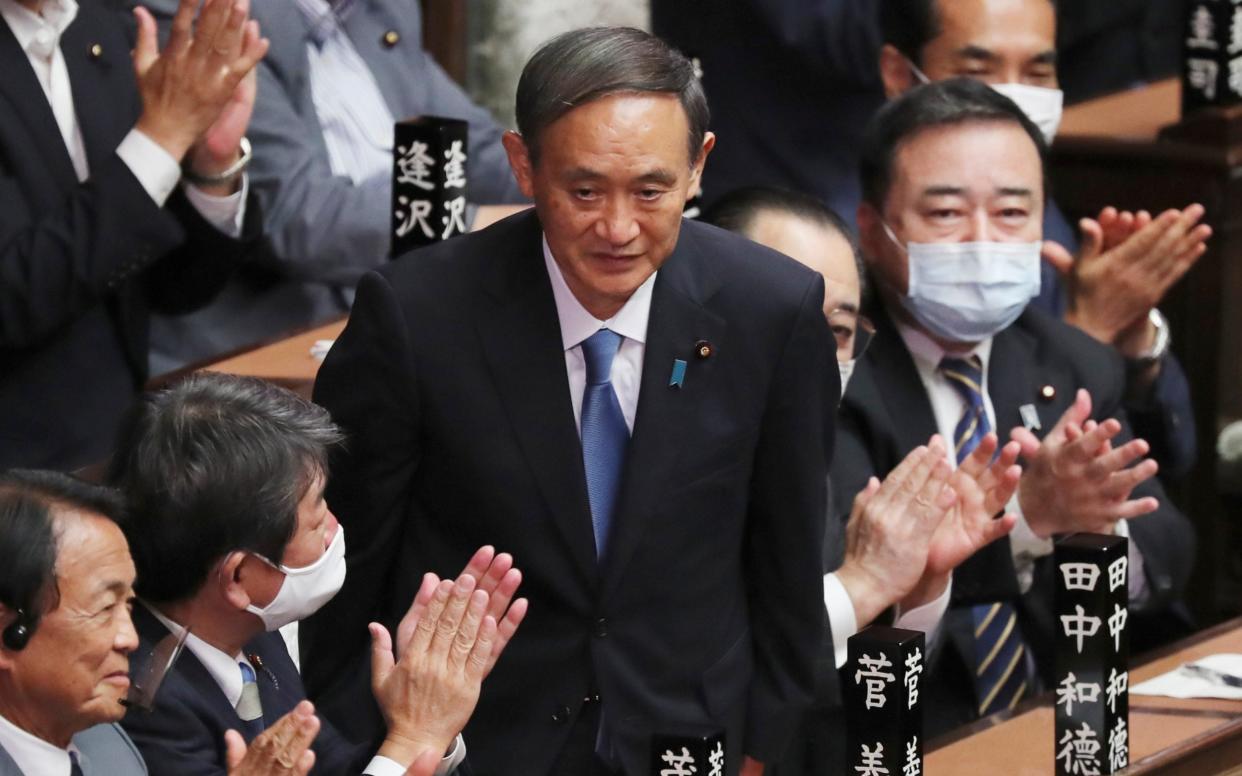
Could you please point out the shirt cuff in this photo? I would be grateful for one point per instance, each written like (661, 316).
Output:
(841, 616)
(926, 618)
(156, 170)
(226, 213)
(1025, 546)
(383, 766)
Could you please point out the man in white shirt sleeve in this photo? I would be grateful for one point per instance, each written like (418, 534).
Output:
(95, 230)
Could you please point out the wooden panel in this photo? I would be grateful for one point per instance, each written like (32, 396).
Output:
(445, 35)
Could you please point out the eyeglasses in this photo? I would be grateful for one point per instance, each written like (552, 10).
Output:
(851, 330)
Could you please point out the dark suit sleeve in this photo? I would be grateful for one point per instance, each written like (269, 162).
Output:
(56, 265)
(786, 528)
(368, 385)
(1166, 420)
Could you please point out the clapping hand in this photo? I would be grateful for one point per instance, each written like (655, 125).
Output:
(1075, 480)
(284, 748)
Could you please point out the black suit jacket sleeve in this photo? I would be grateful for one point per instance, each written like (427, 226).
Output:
(371, 476)
(786, 592)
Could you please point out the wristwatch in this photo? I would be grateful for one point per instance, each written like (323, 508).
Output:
(233, 170)
(1159, 347)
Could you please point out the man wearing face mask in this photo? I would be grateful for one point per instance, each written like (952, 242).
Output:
(905, 534)
(232, 540)
(950, 225)
(1126, 262)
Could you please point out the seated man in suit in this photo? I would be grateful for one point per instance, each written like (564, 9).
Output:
(336, 77)
(639, 405)
(232, 540)
(950, 227)
(94, 229)
(1127, 262)
(67, 635)
(906, 534)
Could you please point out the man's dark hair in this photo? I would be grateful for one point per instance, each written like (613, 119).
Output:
(909, 25)
(580, 66)
(29, 535)
(940, 104)
(214, 464)
(737, 210)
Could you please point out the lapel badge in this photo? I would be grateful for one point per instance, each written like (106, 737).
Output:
(1030, 417)
(703, 349)
(678, 377)
(1048, 393)
(96, 51)
(391, 38)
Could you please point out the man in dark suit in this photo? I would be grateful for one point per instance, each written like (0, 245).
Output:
(640, 407)
(65, 631)
(950, 225)
(94, 230)
(232, 540)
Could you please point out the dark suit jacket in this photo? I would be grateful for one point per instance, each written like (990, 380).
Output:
(886, 413)
(184, 733)
(450, 381)
(81, 264)
(791, 85)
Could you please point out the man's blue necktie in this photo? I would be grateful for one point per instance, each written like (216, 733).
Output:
(604, 434)
(74, 768)
(249, 708)
(1000, 654)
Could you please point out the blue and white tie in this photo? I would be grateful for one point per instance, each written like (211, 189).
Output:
(1001, 677)
(604, 434)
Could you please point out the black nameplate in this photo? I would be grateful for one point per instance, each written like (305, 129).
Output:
(882, 704)
(688, 751)
(1212, 55)
(1092, 646)
(428, 181)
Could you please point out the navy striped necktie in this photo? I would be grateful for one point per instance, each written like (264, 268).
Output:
(1001, 667)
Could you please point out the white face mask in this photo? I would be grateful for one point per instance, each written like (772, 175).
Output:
(305, 589)
(1040, 104)
(847, 371)
(967, 292)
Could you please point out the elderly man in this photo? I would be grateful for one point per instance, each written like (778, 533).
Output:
(639, 406)
(95, 230)
(232, 541)
(66, 637)
(953, 175)
(1127, 262)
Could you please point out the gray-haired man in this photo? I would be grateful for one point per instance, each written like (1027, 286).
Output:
(639, 407)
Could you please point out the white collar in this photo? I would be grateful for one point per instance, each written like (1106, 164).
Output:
(928, 353)
(31, 753)
(577, 324)
(39, 33)
(222, 667)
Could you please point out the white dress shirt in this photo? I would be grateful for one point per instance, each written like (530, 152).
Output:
(948, 406)
(32, 754)
(577, 325)
(157, 172)
(227, 675)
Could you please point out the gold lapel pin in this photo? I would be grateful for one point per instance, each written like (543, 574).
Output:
(703, 349)
(96, 51)
(391, 38)
(1048, 393)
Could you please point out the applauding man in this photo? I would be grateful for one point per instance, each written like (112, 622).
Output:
(94, 229)
(232, 540)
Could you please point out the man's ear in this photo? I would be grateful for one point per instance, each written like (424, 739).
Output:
(232, 571)
(895, 72)
(7, 616)
(697, 164)
(520, 162)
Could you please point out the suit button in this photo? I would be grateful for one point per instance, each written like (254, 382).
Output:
(601, 628)
(561, 715)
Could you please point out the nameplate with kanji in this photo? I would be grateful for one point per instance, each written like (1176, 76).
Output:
(1212, 54)
(1092, 646)
(688, 751)
(882, 702)
(429, 190)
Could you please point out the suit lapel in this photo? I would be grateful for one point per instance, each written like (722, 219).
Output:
(900, 387)
(521, 339)
(28, 101)
(666, 416)
(90, 77)
(1010, 384)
